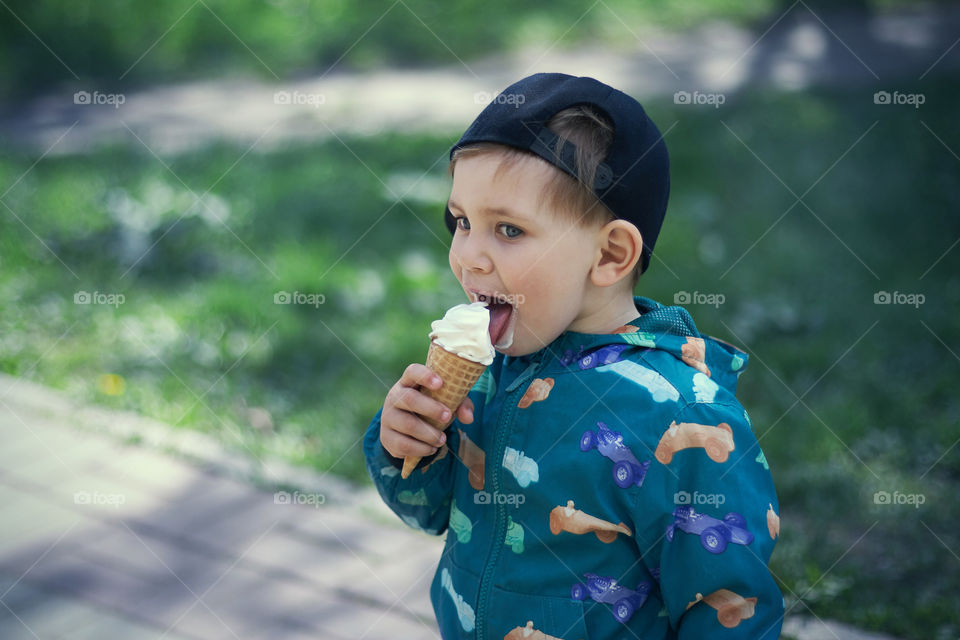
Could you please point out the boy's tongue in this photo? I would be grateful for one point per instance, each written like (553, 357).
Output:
(499, 320)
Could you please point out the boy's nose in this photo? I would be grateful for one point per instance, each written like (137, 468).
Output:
(470, 255)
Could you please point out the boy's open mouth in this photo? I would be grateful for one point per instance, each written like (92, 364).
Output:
(503, 317)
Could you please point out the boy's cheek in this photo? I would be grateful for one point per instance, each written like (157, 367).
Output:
(451, 259)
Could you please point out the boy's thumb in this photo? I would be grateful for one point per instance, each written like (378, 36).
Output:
(465, 411)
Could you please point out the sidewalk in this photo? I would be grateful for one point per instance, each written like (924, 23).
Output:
(104, 540)
(101, 540)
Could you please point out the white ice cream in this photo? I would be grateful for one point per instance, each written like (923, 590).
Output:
(464, 330)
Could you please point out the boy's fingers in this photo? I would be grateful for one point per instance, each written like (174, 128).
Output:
(401, 446)
(415, 401)
(412, 426)
(419, 375)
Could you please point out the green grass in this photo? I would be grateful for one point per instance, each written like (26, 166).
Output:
(848, 397)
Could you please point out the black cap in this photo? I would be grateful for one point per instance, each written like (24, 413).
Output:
(633, 181)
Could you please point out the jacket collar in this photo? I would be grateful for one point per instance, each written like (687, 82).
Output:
(660, 327)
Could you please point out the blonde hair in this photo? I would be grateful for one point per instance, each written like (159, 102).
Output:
(573, 198)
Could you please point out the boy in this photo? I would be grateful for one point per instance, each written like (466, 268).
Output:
(601, 480)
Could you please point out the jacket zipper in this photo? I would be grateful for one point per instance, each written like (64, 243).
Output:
(500, 523)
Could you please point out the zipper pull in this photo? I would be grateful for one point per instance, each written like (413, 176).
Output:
(520, 379)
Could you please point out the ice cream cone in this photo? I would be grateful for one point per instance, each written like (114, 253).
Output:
(459, 375)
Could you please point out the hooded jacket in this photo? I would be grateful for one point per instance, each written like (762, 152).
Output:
(610, 486)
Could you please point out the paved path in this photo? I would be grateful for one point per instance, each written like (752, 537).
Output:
(111, 541)
(102, 540)
(798, 48)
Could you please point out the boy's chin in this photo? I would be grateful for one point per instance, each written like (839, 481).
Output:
(518, 349)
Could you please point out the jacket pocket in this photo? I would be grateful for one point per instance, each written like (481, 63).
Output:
(518, 615)
(453, 594)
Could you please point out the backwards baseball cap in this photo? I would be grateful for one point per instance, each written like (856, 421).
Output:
(633, 181)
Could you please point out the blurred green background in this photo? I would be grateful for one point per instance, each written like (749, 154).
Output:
(848, 397)
(288, 37)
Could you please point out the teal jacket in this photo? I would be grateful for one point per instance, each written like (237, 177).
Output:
(610, 486)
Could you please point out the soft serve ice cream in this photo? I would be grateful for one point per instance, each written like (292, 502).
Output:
(464, 331)
(460, 351)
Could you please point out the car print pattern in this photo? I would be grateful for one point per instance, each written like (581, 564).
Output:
(627, 470)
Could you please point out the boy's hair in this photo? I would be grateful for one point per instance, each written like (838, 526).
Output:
(591, 133)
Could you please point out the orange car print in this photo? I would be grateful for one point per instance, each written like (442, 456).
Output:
(575, 521)
(773, 523)
(528, 633)
(731, 607)
(473, 458)
(717, 441)
(694, 353)
(538, 390)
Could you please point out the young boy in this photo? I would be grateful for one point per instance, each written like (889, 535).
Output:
(601, 480)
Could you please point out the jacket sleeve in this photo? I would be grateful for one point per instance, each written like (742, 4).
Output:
(718, 523)
(423, 499)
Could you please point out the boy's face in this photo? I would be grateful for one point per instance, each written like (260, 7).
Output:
(510, 247)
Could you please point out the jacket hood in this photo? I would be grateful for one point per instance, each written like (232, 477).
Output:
(665, 328)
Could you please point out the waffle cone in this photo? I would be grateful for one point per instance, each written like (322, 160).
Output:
(459, 375)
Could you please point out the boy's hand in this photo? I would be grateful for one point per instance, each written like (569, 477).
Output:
(403, 431)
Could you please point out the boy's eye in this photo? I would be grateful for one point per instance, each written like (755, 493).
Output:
(509, 230)
(462, 223)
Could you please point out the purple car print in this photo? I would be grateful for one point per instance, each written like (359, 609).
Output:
(604, 355)
(603, 589)
(570, 355)
(714, 534)
(627, 470)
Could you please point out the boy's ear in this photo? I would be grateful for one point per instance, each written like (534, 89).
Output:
(619, 246)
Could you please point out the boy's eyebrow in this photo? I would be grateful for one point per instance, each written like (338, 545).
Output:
(502, 211)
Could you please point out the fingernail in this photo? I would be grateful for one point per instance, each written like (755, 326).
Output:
(445, 416)
(442, 438)
(435, 381)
